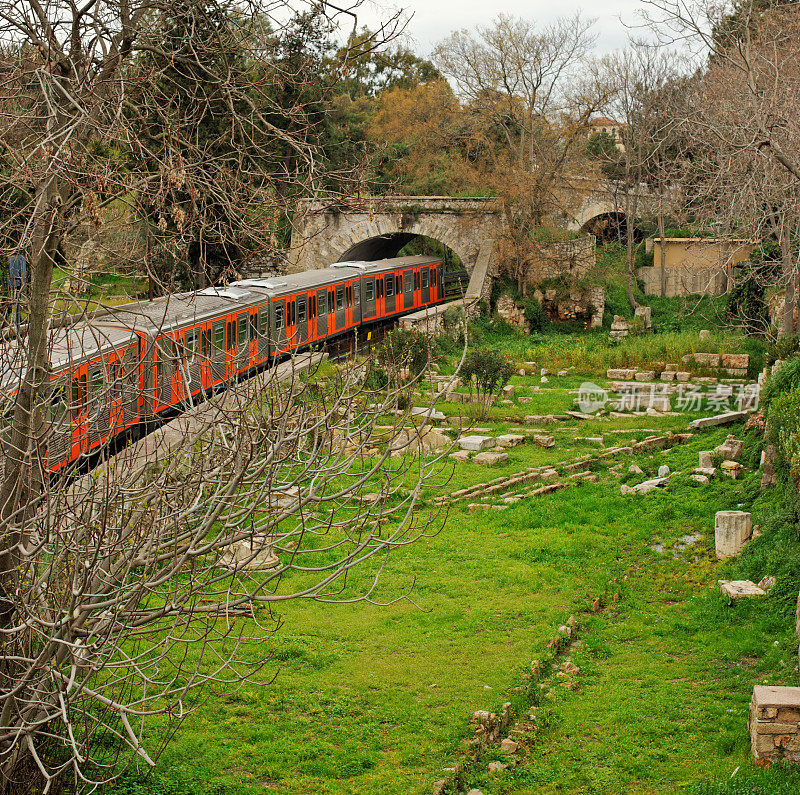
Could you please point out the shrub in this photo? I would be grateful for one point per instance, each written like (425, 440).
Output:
(784, 431)
(785, 347)
(535, 316)
(490, 369)
(747, 303)
(785, 379)
(405, 348)
(377, 379)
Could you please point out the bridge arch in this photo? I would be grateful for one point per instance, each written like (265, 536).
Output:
(380, 227)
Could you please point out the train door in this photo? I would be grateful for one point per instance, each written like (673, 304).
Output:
(417, 288)
(331, 310)
(116, 409)
(356, 302)
(79, 407)
(219, 338)
(348, 304)
(291, 322)
(252, 334)
(322, 314)
(408, 289)
(180, 372)
(425, 292)
(279, 324)
(230, 347)
(264, 333)
(380, 293)
(312, 317)
(369, 298)
(206, 353)
(302, 319)
(242, 355)
(340, 310)
(389, 300)
(434, 294)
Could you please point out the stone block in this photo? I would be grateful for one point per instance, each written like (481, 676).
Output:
(460, 455)
(510, 439)
(740, 589)
(683, 376)
(668, 375)
(707, 359)
(709, 472)
(706, 459)
(705, 334)
(701, 479)
(774, 723)
(645, 314)
(476, 443)
(728, 418)
(732, 530)
(508, 391)
(645, 375)
(659, 403)
(730, 449)
(622, 375)
(732, 469)
(543, 440)
(671, 368)
(427, 413)
(490, 459)
(739, 361)
(736, 372)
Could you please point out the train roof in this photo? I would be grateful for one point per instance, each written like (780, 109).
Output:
(68, 346)
(307, 280)
(181, 309)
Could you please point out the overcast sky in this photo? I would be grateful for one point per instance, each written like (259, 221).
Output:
(433, 19)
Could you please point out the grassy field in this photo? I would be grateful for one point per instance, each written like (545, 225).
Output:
(378, 699)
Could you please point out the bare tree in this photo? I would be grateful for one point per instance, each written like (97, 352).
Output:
(640, 77)
(745, 121)
(117, 593)
(529, 83)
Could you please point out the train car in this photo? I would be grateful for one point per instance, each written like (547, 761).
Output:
(393, 287)
(94, 388)
(144, 359)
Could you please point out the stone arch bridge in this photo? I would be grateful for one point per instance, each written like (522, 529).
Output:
(379, 227)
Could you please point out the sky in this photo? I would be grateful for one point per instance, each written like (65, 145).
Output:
(432, 20)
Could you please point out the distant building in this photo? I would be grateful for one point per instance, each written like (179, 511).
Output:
(602, 124)
(694, 265)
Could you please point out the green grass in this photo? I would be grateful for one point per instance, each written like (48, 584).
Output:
(377, 699)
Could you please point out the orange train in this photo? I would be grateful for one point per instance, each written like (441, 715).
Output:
(146, 359)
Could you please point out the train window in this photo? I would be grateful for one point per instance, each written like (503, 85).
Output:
(190, 344)
(241, 337)
(79, 390)
(278, 317)
(357, 294)
(416, 280)
(312, 307)
(301, 310)
(340, 297)
(389, 286)
(291, 313)
(369, 292)
(253, 326)
(58, 403)
(263, 319)
(348, 294)
(219, 337)
(424, 278)
(206, 343)
(96, 379)
(321, 303)
(330, 302)
(433, 277)
(229, 338)
(407, 281)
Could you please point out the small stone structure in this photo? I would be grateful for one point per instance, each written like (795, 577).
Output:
(694, 265)
(774, 723)
(732, 530)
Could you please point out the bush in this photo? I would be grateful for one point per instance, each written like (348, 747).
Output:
(747, 303)
(784, 431)
(377, 379)
(490, 368)
(535, 316)
(405, 348)
(785, 379)
(785, 347)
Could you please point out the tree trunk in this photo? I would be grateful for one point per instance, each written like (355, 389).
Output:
(21, 479)
(788, 321)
